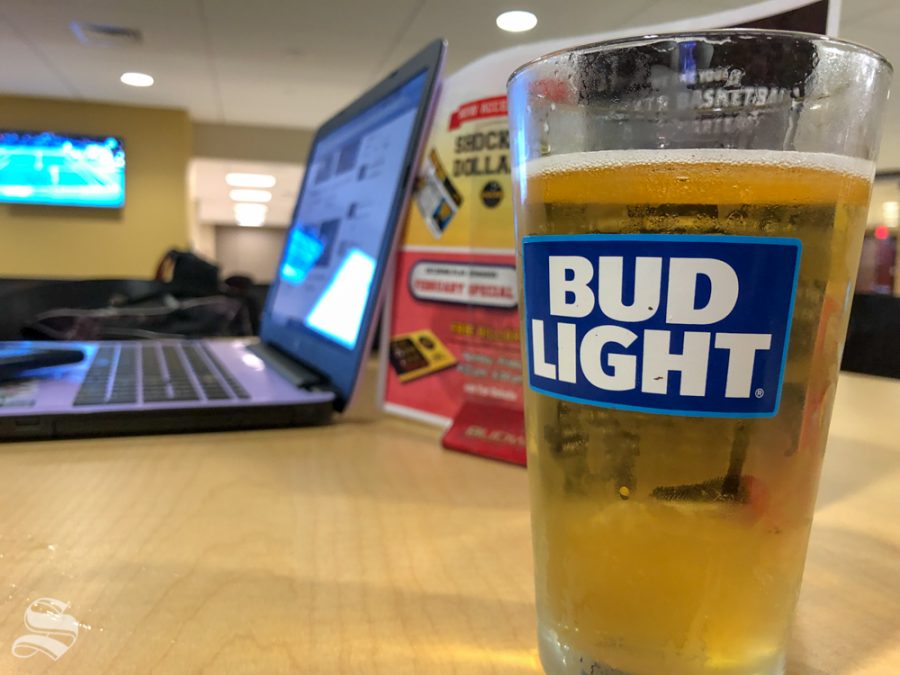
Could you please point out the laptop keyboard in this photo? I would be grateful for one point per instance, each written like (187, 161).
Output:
(131, 373)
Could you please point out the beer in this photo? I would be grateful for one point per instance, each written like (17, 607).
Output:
(668, 543)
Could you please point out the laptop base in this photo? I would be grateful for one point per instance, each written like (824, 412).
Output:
(163, 421)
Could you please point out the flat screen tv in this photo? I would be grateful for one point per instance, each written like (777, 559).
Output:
(59, 169)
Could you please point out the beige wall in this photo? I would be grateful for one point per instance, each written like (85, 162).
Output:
(49, 241)
(255, 144)
(251, 251)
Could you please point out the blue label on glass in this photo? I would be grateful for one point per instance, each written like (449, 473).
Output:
(674, 324)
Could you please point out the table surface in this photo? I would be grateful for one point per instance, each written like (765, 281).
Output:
(362, 547)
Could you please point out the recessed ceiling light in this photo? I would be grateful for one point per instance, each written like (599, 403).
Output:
(247, 195)
(250, 180)
(516, 21)
(137, 79)
(250, 215)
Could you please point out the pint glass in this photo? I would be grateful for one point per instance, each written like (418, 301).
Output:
(690, 210)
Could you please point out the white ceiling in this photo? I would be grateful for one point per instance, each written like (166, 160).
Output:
(292, 63)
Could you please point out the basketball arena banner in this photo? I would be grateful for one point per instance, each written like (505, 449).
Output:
(451, 353)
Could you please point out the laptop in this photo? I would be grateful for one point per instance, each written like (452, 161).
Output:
(319, 316)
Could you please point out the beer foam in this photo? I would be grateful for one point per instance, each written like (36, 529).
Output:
(602, 159)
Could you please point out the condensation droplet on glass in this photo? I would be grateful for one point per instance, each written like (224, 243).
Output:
(51, 547)
(552, 105)
(546, 127)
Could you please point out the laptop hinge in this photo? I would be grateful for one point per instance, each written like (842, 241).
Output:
(294, 372)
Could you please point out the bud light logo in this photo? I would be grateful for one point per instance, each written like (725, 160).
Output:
(673, 324)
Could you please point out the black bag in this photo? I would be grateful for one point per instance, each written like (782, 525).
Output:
(186, 300)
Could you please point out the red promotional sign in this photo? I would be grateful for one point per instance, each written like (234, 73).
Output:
(483, 108)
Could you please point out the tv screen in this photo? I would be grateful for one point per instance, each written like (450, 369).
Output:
(59, 169)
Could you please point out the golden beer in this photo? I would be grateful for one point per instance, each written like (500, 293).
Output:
(675, 545)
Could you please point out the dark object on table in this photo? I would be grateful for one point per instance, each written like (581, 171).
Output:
(872, 337)
(24, 358)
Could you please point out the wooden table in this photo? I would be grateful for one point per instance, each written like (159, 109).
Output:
(364, 548)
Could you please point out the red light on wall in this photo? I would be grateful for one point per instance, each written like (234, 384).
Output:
(881, 232)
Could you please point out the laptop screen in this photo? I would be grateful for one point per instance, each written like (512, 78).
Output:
(332, 250)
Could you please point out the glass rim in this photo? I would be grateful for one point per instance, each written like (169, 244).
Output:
(708, 35)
